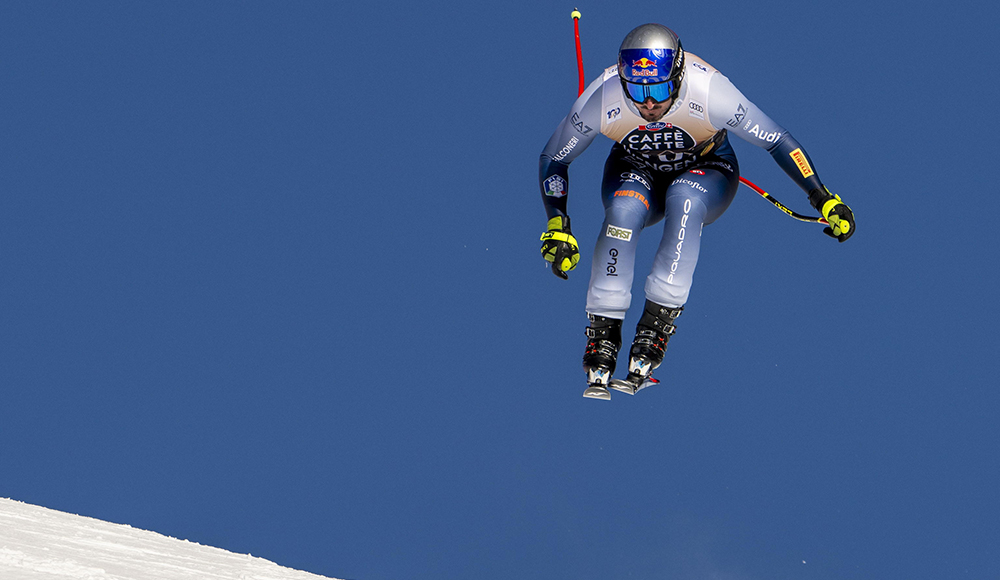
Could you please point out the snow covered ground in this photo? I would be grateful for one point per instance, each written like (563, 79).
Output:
(42, 544)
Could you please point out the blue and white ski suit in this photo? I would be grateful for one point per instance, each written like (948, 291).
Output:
(681, 168)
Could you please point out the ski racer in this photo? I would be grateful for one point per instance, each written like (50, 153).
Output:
(670, 113)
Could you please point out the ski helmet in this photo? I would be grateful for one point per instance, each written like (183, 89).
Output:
(651, 63)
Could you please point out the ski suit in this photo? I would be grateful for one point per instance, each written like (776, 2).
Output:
(680, 169)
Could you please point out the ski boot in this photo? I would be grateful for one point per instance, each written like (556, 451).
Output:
(651, 336)
(605, 338)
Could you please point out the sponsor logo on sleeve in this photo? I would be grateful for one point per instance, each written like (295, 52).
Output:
(623, 234)
(765, 137)
(738, 116)
(570, 145)
(802, 163)
(579, 126)
(700, 67)
(555, 186)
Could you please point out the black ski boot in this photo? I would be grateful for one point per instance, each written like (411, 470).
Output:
(650, 343)
(605, 338)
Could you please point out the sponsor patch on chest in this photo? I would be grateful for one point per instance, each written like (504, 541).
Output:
(696, 110)
(656, 138)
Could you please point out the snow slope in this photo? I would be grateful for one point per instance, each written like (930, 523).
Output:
(42, 544)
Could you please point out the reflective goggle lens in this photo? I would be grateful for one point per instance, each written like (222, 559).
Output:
(659, 92)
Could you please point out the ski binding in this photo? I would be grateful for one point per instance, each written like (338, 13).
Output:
(632, 384)
(597, 384)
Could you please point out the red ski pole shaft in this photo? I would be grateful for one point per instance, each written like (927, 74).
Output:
(579, 52)
(579, 67)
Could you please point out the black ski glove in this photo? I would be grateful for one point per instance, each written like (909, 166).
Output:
(835, 212)
(560, 247)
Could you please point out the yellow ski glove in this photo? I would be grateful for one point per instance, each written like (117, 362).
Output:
(835, 212)
(560, 247)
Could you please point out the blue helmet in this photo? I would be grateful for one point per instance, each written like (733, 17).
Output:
(651, 63)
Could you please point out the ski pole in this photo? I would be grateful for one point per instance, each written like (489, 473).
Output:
(579, 53)
(575, 15)
(779, 205)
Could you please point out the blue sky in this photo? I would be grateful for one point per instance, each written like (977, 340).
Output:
(270, 281)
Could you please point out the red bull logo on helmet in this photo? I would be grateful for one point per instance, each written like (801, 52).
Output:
(645, 65)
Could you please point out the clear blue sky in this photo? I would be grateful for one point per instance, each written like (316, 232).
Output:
(269, 280)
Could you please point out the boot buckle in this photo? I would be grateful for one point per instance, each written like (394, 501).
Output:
(592, 332)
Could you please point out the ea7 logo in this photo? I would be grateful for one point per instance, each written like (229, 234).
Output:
(579, 126)
(738, 116)
(618, 233)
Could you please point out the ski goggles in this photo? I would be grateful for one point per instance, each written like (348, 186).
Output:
(659, 92)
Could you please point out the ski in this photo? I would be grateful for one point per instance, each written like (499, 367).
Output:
(632, 384)
(597, 392)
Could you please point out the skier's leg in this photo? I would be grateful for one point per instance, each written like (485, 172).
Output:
(628, 207)
(626, 193)
(693, 199)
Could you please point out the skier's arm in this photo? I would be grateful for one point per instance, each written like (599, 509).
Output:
(729, 109)
(574, 134)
